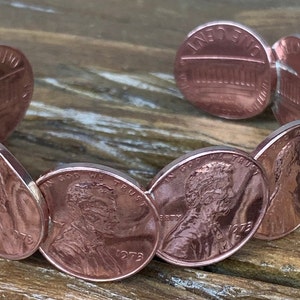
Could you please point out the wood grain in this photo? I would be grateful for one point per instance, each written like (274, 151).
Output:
(105, 93)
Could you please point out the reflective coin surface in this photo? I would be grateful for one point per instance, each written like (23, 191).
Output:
(287, 51)
(103, 227)
(286, 106)
(279, 154)
(223, 68)
(210, 202)
(23, 211)
(16, 88)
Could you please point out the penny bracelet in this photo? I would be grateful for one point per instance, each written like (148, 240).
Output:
(97, 223)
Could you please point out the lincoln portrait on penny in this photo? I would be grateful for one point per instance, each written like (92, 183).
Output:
(81, 242)
(209, 195)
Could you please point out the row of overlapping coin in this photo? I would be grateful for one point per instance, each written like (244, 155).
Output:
(96, 223)
(228, 70)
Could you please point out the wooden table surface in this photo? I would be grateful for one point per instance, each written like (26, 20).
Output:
(105, 93)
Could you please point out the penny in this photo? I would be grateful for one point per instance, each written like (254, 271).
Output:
(16, 88)
(273, 65)
(103, 227)
(210, 202)
(279, 154)
(287, 51)
(224, 69)
(23, 211)
(286, 106)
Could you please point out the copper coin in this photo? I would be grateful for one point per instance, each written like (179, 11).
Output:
(16, 88)
(273, 66)
(23, 211)
(223, 68)
(286, 107)
(279, 154)
(287, 51)
(103, 227)
(210, 201)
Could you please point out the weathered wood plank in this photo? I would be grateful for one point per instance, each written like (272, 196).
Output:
(19, 281)
(105, 93)
(124, 124)
(214, 286)
(273, 261)
(157, 281)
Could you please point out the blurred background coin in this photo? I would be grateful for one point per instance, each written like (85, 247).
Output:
(286, 107)
(16, 88)
(224, 69)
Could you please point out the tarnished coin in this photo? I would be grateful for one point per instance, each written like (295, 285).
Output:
(286, 106)
(279, 154)
(223, 68)
(103, 227)
(210, 202)
(23, 211)
(16, 88)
